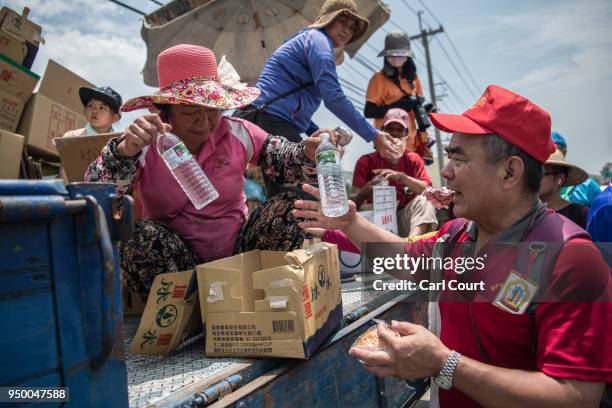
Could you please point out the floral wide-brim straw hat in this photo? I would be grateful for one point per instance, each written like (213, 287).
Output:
(189, 75)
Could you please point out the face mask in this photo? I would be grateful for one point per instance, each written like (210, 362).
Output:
(396, 61)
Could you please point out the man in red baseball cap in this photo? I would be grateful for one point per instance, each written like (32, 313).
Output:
(403, 170)
(518, 340)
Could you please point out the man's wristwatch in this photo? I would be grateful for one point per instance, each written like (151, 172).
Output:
(444, 378)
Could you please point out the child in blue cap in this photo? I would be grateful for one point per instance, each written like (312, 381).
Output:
(101, 111)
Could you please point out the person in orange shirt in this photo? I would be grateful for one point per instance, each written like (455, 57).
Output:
(395, 86)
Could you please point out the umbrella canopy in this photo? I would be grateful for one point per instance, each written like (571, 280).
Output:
(246, 31)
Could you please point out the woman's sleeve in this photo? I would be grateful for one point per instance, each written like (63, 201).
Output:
(110, 166)
(285, 162)
(320, 58)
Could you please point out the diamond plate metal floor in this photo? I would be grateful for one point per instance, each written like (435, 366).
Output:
(151, 378)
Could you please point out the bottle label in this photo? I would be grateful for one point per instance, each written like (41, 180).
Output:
(328, 157)
(176, 155)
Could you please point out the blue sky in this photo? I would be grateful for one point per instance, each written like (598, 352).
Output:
(557, 53)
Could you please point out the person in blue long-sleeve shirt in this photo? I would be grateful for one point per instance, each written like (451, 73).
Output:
(301, 74)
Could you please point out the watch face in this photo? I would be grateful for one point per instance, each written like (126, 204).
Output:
(444, 382)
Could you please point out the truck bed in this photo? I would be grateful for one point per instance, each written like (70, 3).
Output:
(162, 380)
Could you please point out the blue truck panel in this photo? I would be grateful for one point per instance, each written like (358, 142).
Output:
(60, 302)
(60, 289)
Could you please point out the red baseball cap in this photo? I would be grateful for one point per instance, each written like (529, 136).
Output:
(396, 115)
(511, 116)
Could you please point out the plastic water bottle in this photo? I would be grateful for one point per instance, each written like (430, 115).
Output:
(186, 170)
(334, 202)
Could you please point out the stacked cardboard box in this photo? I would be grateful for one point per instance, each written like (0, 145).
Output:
(11, 146)
(52, 111)
(16, 86)
(19, 37)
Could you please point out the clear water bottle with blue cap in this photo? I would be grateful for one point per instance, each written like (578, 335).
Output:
(186, 170)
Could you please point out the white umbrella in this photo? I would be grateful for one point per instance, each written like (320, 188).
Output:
(246, 31)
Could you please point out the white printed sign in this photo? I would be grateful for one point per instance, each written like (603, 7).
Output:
(385, 208)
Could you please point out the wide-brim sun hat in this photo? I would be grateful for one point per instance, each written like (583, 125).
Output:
(188, 75)
(575, 175)
(397, 44)
(333, 8)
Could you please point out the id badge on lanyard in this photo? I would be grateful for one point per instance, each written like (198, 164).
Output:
(518, 291)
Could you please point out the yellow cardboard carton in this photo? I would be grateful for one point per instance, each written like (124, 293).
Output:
(271, 303)
(170, 316)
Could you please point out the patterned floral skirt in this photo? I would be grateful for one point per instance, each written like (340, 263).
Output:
(156, 249)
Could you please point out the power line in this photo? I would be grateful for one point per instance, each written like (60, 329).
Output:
(157, 2)
(357, 104)
(410, 7)
(372, 48)
(450, 41)
(455, 94)
(346, 72)
(352, 87)
(357, 71)
(366, 63)
(416, 13)
(456, 69)
(463, 63)
(429, 11)
(457, 97)
(369, 67)
(393, 23)
(135, 10)
(361, 97)
(356, 101)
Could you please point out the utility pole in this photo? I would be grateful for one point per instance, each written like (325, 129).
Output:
(432, 89)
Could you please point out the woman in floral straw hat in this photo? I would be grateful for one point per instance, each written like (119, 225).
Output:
(301, 74)
(174, 235)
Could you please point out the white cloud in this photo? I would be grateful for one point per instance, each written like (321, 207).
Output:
(45, 9)
(95, 39)
(557, 53)
(564, 24)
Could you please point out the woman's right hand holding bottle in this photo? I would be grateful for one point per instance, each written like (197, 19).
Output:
(140, 133)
